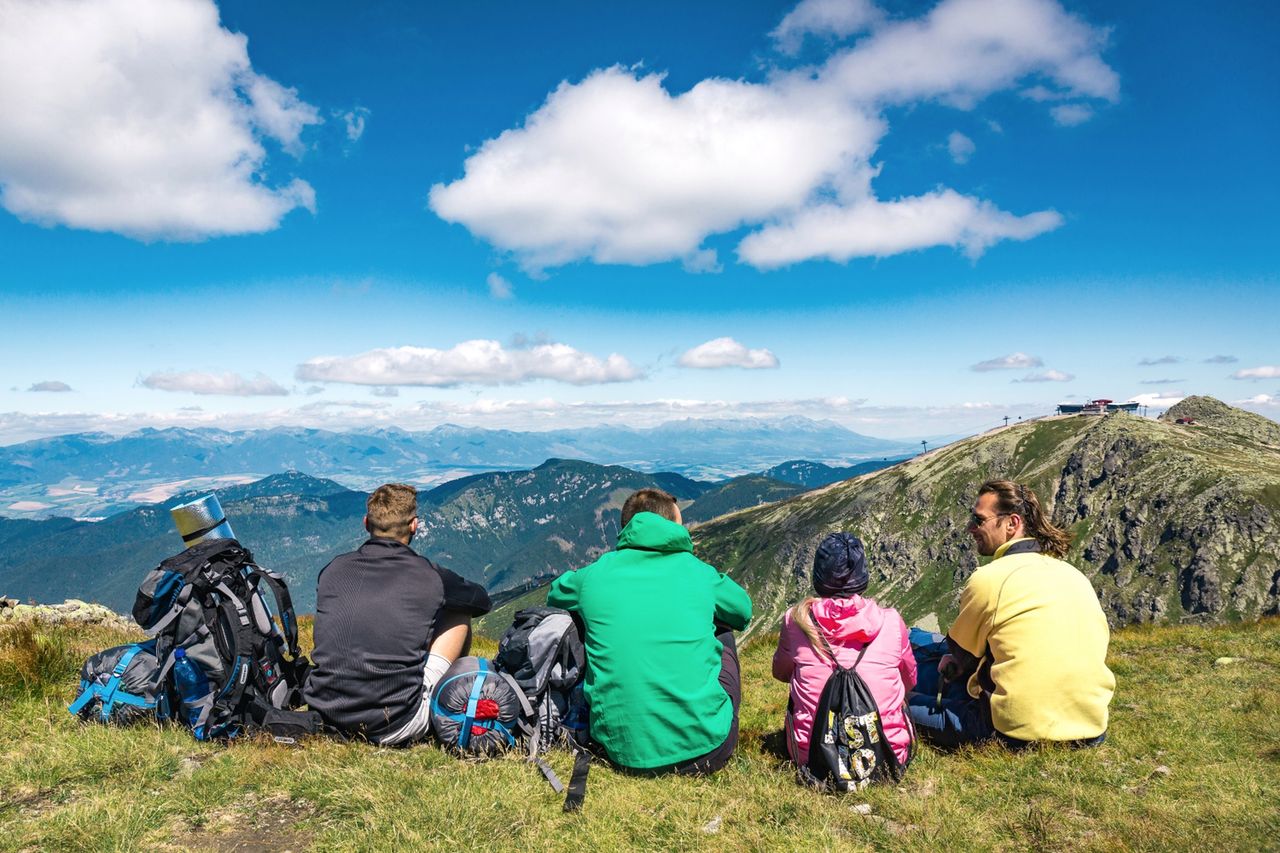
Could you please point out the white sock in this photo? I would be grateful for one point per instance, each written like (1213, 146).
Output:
(437, 666)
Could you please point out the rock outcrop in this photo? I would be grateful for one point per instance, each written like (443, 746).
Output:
(70, 612)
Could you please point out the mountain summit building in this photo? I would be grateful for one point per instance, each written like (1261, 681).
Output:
(1096, 407)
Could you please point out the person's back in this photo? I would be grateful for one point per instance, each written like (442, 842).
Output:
(849, 622)
(654, 660)
(1046, 637)
(388, 623)
(375, 613)
(887, 668)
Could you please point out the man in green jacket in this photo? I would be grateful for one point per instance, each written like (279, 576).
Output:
(663, 680)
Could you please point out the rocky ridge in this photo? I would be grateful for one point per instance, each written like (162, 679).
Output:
(1171, 522)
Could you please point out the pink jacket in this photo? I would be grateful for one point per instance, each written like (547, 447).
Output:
(888, 668)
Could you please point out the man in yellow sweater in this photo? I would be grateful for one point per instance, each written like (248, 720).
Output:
(1030, 637)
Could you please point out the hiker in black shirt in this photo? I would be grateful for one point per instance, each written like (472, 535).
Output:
(388, 625)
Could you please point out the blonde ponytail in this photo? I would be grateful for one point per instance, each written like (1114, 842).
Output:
(802, 615)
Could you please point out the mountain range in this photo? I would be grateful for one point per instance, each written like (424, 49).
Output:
(506, 529)
(1171, 521)
(96, 475)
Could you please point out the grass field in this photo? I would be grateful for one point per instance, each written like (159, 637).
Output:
(1192, 762)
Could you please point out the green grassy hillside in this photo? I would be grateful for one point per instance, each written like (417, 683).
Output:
(732, 495)
(1192, 762)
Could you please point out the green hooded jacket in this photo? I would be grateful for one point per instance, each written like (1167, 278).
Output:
(653, 662)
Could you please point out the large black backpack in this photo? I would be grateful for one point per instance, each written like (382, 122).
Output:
(542, 652)
(210, 601)
(847, 746)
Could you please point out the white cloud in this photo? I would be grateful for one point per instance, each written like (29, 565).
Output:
(1069, 115)
(1047, 376)
(1013, 361)
(142, 117)
(354, 120)
(880, 228)
(347, 415)
(51, 385)
(726, 352)
(960, 147)
(215, 384)
(1164, 359)
(1259, 401)
(385, 391)
(1161, 381)
(836, 18)
(499, 287)
(1221, 359)
(1264, 372)
(964, 50)
(477, 362)
(1158, 399)
(617, 169)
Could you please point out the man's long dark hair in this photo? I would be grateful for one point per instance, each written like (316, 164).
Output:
(1015, 499)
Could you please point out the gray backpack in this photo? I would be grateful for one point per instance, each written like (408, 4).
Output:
(121, 686)
(543, 653)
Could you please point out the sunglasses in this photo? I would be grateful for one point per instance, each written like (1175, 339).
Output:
(976, 521)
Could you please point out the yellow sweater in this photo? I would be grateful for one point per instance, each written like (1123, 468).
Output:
(1037, 623)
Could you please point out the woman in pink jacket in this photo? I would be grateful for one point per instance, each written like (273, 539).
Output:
(849, 622)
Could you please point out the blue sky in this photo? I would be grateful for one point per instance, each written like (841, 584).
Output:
(913, 218)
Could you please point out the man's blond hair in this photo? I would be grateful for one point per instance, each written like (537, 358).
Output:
(392, 508)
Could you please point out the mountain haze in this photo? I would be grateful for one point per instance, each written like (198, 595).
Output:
(95, 475)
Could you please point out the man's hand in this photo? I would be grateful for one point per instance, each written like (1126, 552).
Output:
(948, 667)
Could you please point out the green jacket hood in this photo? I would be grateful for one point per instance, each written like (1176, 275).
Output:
(651, 532)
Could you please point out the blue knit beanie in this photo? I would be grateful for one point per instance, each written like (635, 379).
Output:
(840, 567)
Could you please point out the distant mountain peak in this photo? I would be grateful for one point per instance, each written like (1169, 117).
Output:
(1212, 413)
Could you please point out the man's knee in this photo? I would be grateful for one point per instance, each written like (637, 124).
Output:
(452, 637)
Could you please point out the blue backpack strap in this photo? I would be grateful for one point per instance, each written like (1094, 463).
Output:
(87, 692)
(469, 717)
(109, 692)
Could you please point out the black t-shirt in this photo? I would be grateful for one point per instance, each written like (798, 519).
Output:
(377, 609)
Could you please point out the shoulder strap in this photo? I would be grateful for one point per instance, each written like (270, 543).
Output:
(284, 603)
(826, 645)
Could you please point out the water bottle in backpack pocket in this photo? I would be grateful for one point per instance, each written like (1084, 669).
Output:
(195, 695)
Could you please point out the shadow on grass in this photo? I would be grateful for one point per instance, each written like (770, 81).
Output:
(774, 745)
